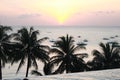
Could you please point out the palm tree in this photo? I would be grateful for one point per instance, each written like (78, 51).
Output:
(29, 48)
(64, 56)
(107, 57)
(4, 38)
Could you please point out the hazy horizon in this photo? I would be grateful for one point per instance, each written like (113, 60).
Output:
(62, 26)
(60, 12)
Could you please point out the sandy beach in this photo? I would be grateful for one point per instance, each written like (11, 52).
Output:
(113, 74)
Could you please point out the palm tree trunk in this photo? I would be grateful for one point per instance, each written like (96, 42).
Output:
(0, 70)
(67, 71)
(107, 66)
(67, 68)
(27, 68)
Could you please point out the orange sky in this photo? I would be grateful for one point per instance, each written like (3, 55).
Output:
(60, 12)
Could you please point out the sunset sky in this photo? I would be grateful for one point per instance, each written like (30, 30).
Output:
(60, 12)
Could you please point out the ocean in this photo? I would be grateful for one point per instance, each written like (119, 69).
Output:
(93, 35)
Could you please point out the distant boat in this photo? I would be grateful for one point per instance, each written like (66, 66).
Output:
(85, 40)
(105, 39)
(52, 40)
(116, 36)
(112, 37)
(81, 44)
(115, 44)
(79, 36)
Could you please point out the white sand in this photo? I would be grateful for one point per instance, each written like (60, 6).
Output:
(113, 74)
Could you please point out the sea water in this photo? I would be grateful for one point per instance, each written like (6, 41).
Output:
(94, 35)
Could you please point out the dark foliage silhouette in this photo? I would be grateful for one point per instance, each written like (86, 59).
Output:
(107, 58)
(4, 39)
(64, 57)
(28, 48)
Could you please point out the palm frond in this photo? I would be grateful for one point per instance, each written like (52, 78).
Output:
(31, 30)
(115, 54)
(81, 55)
(33, 35)
(44, 47)
(5, 28)
(43, 39)
(34, 62)
(60, 69)
(54, 50)
(41, 55)
(55, 57)
(98, 54)
(103, 47)
(34, 72)
(22, 62)
(56, 61)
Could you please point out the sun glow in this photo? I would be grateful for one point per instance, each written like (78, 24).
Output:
(61, 10)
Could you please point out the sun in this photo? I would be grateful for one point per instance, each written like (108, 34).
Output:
(61, 10)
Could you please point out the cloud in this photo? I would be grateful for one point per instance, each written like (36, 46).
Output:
(100, 12)
(104, 12)
(29, 15)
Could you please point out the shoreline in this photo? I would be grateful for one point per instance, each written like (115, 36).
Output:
(109, 74)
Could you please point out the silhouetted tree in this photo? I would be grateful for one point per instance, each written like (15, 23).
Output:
(29, 48)
(107, 58)
(65, 58)
(4, 38)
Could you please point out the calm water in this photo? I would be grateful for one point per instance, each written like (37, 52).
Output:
(94, 35)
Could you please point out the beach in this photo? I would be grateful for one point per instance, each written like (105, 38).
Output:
(113, 74)
(94, 35)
